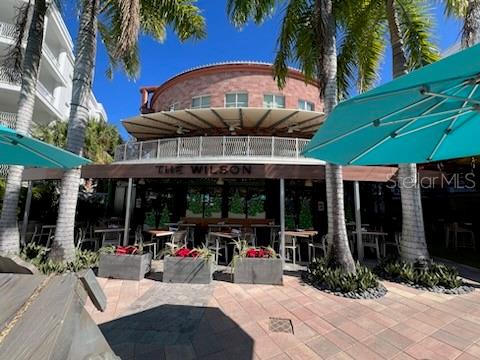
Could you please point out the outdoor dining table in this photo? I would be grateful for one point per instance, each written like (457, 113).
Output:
(223, 236)
(160, 235)
(300, 234)
(104, 232)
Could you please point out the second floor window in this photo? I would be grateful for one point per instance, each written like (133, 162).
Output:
(274, 101)
(236, 100)
(173, 107)
(305, 105)
(199, 102)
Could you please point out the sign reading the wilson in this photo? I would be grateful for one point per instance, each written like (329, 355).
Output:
(205, 170)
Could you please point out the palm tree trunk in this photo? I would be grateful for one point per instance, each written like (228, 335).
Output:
(471, 24)
(9, 234)
(63, 245)
(413, 245)
(337, 232)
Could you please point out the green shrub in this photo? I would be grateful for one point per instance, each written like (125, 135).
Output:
(333, 278)
(427, 275)
(38, 256)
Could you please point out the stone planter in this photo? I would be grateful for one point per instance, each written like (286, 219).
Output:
(189, 270)
(125, 267)
(258, 271)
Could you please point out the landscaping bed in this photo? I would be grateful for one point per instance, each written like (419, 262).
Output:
(327, 277)
(428, 276)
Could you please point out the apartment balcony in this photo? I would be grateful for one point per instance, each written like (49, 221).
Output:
(215, 149)
(7, 30)
(10, 77)
(8, 119)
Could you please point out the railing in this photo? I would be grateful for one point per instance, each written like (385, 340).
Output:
(42, 90)
(8, 119)
(212, 148)
(9, 76)
(51, 56)
(7, 30)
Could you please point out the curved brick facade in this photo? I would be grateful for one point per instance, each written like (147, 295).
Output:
(217, 80)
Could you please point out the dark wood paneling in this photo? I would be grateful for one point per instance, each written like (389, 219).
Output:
(245, 171)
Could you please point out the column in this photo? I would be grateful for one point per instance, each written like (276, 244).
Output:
(26, 214)
(282, 219)
(358, 219)
(127, 212)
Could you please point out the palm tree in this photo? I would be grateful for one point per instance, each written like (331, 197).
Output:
(119, 24)
(9, 235)
(101, 138)
(471, 23)
(308, 37)
(406, 26)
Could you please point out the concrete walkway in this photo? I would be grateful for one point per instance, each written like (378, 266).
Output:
(153, 320)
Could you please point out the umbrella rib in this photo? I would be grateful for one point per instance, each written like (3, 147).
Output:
(425, 115)
(318, 146)
(451, 97)
(370, 149)
(33, 151)
(448, 130)
(433, 123)
(420, 102)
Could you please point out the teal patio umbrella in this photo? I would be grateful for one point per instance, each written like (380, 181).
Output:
(430, 114)
(17, 149)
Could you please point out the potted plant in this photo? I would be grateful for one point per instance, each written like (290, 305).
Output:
(256, 265)
(124, 262)
(191, 266)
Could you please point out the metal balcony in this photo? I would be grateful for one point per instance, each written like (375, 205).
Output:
(215, 149)
(7, 30)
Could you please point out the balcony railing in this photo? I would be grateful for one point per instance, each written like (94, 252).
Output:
(8, 119)
(7, 30)
(213, 148)
(51, 56)
(42, 90)
(9, 76)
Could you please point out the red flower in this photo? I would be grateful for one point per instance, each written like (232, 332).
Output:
(182, 252)
(125, 250)
(258, 253)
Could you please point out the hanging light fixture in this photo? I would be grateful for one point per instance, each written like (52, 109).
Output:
(308, 183)
(220, 182)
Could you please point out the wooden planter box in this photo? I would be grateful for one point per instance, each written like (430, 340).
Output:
(126, 267)
(187, 270)
(258, 271)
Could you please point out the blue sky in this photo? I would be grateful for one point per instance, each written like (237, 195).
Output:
(121, 96)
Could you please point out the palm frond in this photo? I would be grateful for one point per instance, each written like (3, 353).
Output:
(454, 8)
(298, 42)
(13, 59)
(416, 23)
(129, 11)
(241, 11)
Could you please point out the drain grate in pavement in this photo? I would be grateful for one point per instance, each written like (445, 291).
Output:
(281, 325)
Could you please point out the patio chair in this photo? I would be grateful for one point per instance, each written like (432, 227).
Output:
(112, 238)
(389, 243)
(217, 245)
(44, 236)
(371, 241)
(250, 238)
(313, 246)
(84, 237)
(464, 238)
(293, 246)
(179, 238)
(139, 241)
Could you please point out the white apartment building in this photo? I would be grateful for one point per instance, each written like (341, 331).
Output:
(56, 70)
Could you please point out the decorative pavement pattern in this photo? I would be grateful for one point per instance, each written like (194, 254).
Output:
(152, 320)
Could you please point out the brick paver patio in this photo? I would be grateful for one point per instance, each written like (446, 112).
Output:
(153, 320)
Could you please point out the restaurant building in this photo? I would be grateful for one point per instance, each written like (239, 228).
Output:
(222, 143)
